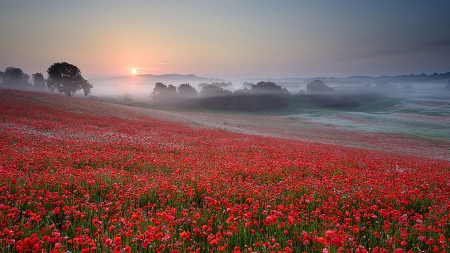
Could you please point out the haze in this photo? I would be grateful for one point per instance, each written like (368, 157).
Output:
(227, 39)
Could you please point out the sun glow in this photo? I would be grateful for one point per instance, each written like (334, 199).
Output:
(133, 71)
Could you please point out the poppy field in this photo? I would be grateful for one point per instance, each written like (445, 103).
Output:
(85, 176)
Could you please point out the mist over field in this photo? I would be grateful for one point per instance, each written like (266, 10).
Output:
(416, 106)
(143, 85)
(140, 85)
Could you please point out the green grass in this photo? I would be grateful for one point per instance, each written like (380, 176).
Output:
(298, 104)
(377, 105)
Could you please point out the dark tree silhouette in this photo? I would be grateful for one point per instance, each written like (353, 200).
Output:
(187, 96)
(66, 78)
(171, 88)
(7, 74)
(127, 97)
(214, 91)
(14, 77)
(159, 88)
(39, 82)
(265, 86)
(318, 86)
(163, 93)
(171, 91)
(216, 98)
(186, 91)
(268, 95)
(159, 92)
(247, 85)
(319, 94)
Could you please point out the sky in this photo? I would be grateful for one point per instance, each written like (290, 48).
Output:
(227, 39)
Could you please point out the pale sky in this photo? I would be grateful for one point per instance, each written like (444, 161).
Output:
(227, 39)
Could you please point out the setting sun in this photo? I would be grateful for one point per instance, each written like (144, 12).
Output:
(133, 71)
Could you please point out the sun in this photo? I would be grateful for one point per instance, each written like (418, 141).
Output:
(133, 71)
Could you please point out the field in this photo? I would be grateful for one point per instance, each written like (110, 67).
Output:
(78, 175)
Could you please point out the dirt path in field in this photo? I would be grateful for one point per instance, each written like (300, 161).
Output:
(300, 128)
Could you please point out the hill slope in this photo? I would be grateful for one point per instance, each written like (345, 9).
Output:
(79, 175)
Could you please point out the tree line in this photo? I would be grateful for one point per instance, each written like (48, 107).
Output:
(270, 96)
(260, 96)
(256, 97)
(62, 77)
(67, 79)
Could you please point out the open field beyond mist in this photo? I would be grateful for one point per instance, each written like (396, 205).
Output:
(78, 175)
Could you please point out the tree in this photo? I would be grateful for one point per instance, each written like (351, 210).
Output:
(185, 90)
(15, 76)
(318, 86)
(159, 91)
(127, 97)
(268, 87)
(39, 82)
(171, 91)
(214, 91)
(7, 73)
(268, 95)
(247, 85)
(66, 78)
